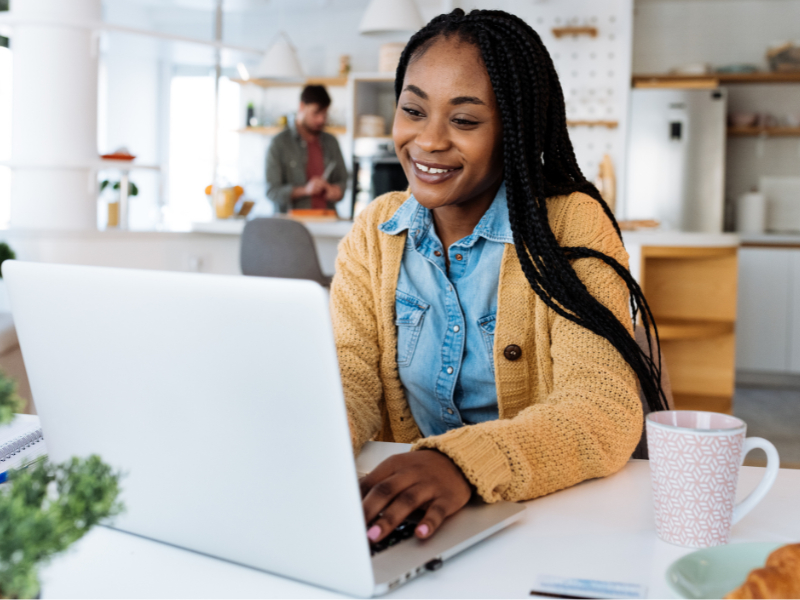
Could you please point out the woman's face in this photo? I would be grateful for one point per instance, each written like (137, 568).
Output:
(447, 128)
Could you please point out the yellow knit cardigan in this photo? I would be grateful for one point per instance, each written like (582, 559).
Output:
(569, 408)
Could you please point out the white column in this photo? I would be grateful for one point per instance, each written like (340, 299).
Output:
(54, 131)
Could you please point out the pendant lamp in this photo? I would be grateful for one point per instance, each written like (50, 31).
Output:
(383, 16)
(280, 62)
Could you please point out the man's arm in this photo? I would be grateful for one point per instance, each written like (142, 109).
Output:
(279, 190)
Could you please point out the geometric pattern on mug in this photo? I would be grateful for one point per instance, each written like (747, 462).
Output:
(694, 481)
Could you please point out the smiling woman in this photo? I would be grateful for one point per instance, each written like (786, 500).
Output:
(486, 315)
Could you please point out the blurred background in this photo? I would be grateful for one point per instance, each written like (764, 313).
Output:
(134, 133)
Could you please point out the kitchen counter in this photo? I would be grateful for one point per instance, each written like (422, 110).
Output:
(678, 238)
(636, 240)
(329, 229)
(770, 239)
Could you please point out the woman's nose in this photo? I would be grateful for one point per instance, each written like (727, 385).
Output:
(432, 137)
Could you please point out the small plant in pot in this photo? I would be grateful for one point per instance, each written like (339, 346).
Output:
(47, 507)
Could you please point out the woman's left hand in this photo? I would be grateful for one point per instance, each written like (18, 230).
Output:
(403, 483)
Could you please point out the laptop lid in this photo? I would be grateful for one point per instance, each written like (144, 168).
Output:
(220, 399)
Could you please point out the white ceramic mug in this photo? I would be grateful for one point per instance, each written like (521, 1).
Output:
(695, 458)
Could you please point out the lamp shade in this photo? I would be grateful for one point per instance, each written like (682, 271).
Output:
(384, 16)
(280, 62)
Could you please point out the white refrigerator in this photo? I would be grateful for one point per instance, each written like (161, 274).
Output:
(676, 158)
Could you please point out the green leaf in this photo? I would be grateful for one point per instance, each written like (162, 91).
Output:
(46, 508)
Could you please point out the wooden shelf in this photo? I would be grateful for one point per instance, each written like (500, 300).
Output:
(560, 32)
(764, 131)
(275, 130)
(688, 329)
(609, 124)
(268, 83)
(713, 79)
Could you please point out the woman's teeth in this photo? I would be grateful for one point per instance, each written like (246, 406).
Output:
(425, 169)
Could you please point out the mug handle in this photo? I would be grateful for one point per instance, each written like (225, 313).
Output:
(757, 495)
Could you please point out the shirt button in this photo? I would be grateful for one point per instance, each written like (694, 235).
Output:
(449, 370)
(456, 328)
(437, 253)
(449, 411)
(449, 288)
(512, 352)
(459, 257)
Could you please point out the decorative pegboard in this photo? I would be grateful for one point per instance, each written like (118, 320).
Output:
(595, 72)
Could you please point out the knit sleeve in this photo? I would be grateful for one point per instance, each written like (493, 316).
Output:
(355, 330)
(591, 419)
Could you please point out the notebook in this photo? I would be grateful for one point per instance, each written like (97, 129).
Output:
(21, 443)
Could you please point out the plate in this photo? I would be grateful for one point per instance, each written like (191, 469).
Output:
(714, 572)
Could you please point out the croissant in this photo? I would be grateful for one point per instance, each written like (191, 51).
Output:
(779, 578)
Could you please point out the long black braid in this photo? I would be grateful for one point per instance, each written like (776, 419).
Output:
(539, 162)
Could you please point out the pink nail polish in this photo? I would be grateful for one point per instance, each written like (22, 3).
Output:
(423, 530)
(374, 532)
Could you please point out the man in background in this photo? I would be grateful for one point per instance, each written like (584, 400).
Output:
(305, 167)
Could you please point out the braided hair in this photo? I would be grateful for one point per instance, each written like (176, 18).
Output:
(539, 162)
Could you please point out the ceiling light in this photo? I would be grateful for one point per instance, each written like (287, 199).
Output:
(384, 16)
(280, 62)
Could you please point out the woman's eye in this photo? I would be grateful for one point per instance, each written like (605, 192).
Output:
(465, 122)
(411, 112)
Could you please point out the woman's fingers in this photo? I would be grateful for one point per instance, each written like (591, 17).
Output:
(437, 512)
(381, 495)
(398, 511)
(381, 472)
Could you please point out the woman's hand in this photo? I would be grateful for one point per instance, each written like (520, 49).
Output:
(403, 483)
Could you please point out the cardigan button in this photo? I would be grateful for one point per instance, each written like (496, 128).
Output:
(512, 352)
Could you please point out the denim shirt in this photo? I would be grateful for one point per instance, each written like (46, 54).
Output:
(445, 324)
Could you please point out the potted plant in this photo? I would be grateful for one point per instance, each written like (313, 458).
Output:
(47, 507)
(113, 201)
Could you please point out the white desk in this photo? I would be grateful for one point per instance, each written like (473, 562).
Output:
(601, 529)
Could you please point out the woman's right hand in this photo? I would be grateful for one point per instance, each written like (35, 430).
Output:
(403, 483)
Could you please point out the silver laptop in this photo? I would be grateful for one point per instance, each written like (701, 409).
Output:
(220, 399)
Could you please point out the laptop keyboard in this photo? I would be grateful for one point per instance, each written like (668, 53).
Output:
(402, 532)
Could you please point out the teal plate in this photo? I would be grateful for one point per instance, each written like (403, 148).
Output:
(715, 572)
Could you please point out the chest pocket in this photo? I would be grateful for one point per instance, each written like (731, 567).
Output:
(487, 325)
(410, 313)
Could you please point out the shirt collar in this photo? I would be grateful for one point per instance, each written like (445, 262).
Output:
(493, 226)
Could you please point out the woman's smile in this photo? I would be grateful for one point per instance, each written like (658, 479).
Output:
(433, 173)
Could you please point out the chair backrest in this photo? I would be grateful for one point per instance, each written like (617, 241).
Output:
(280, 247)
(666, 386)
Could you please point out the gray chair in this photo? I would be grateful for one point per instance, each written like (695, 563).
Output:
(641, 339)
(280, 247)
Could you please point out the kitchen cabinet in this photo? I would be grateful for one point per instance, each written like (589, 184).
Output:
(769, 309)
(690, 282)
